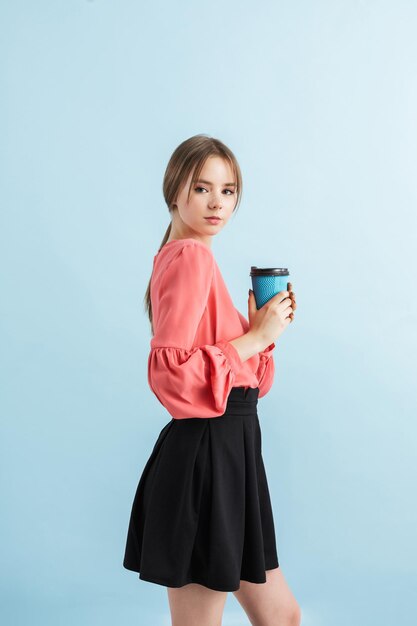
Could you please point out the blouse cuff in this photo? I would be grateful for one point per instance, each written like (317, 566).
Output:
(231, 354)
(267, 353)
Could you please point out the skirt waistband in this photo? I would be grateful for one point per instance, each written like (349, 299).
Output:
(242, 401)
(241, 394)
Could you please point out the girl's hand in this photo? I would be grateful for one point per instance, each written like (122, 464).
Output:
(268, 322)
(292, 296)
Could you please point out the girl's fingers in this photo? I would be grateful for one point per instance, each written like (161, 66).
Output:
(293, 302)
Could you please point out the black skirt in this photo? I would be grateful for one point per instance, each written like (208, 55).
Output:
(202, 511)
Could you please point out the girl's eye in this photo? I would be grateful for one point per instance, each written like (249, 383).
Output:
(231, 192)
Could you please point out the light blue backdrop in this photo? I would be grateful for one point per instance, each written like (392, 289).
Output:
(318, 101)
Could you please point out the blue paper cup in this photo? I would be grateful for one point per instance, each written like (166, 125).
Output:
(267, 282)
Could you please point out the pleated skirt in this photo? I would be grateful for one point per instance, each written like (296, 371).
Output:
(202, 511)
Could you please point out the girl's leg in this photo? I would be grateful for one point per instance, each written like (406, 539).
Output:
(271, 603)
(195, 604)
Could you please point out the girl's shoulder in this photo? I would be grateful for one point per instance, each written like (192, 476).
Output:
(178, 244)
(188, 256)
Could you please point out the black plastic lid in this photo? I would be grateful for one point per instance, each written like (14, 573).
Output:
(268, 271)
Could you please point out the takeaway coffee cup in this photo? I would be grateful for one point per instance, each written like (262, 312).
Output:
(267, 282)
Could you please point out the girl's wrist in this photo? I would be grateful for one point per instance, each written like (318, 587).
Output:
(257, 341)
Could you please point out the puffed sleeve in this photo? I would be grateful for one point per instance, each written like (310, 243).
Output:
(190, 381)
(266, 370)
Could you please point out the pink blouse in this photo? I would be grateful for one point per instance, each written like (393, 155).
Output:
(192, 365)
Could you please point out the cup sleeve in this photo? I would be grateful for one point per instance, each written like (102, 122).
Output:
(266, 370)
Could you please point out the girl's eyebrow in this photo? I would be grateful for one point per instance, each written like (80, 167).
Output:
(207, 182)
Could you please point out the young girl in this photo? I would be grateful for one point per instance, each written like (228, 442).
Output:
(201, 522)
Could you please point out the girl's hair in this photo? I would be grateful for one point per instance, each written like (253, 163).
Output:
(188, 157)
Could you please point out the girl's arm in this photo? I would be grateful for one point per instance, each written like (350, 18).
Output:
(247, 346)
(189, 381)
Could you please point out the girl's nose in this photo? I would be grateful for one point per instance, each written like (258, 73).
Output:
(215, 203)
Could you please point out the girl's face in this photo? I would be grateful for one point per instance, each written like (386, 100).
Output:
(214, 194)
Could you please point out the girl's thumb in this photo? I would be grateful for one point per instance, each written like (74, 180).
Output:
(251, 305)
(252, 302)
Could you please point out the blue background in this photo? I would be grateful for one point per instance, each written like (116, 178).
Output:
(318, 101)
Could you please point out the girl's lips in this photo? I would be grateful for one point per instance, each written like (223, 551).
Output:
(214, 219)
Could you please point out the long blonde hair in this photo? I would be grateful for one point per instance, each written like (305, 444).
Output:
(188, 157)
